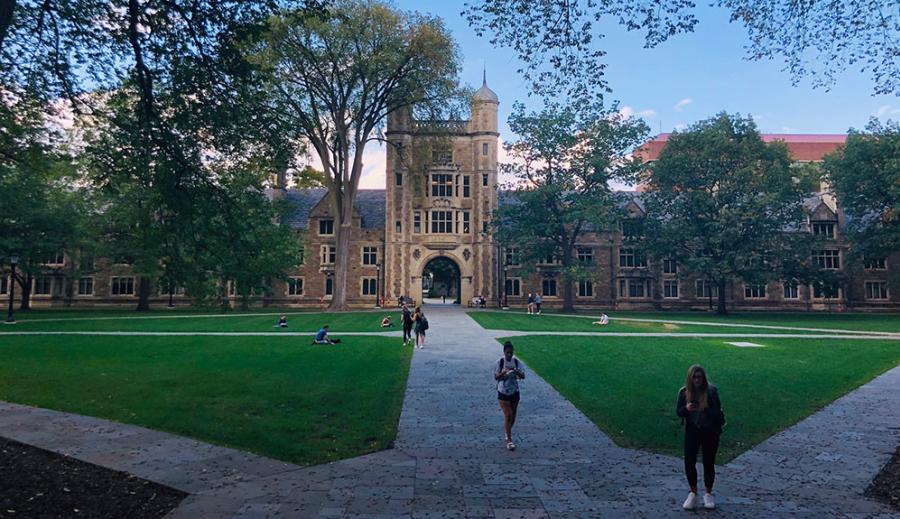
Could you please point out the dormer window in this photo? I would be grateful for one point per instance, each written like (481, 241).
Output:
(326, 227)
(823, 229)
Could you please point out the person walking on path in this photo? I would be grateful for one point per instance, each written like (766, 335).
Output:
(537, 303)
(700, 410)
(530, 303)
(407, 321)
(507, 372)
(421, 324)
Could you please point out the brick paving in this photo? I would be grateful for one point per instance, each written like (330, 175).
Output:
(449, 459)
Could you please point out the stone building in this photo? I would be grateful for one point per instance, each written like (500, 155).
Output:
(429, 230)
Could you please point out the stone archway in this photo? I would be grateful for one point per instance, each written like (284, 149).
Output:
(441, 276)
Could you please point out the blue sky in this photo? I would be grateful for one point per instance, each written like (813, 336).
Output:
(686, 79)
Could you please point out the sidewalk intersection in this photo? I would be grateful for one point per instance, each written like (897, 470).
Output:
(449, 459)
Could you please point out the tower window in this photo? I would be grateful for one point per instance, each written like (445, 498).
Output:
(398, 179)
(484, 149)
(484, 179)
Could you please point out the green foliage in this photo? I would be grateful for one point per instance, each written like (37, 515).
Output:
(557, 40)
(637, 380)
(563, 163)
(280, 397)
(865, 175)
(725, 204)
(41, 212)
(337, 72)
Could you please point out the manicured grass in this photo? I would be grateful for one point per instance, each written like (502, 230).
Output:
(237, 322)
(276, 396)
(519, 320)
(627, 386)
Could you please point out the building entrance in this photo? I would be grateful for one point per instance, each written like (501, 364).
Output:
(441, 280)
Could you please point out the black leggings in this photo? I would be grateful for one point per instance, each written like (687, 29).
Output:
(694, 440)
(407, 331)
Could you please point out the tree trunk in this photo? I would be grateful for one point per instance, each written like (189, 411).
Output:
(68, 290)
(568, 289)
(7, 8)
(721, 309)
(25, 283)
(343, 230)
(143, 294)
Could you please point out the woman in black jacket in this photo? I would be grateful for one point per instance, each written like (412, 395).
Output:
(700, 409)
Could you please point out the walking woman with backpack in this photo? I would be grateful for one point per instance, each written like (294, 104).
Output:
(507, 373)
(421, 324)
(700, 410)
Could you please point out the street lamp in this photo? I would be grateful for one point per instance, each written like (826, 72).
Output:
(13, 261)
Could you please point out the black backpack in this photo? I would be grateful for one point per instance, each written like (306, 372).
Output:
(424, 323)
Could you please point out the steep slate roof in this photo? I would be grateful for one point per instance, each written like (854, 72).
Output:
(803, 147)
(369, 205)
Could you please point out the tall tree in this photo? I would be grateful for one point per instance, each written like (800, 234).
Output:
(725, 204)
(339, 72)
(865, 175)
(557, 40)
(563, 164)
(39, 207)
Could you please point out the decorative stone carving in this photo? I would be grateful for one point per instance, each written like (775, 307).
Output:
(441, 202)
(417, 253)
(466, 254)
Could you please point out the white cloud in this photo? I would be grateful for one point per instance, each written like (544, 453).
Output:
(680, 126)
(788, 129)
(679, 106)
(627, 111)
(886, 111)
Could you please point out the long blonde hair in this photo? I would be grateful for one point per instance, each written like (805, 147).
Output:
(693, 395)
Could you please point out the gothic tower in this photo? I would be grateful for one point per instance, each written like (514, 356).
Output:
(441, 193)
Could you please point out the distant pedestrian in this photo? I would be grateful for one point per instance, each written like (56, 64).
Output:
(700, 409)
(421, 325)
(407, 320)
(507, 372)
(537, 303)
(282, 322)
(530, 303)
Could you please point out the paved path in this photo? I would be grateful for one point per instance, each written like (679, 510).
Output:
(449, 459)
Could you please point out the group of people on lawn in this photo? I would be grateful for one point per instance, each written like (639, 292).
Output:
(697, 403)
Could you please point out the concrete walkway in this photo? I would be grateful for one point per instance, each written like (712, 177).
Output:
(450, 460)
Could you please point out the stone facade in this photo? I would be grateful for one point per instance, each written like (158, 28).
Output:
(441, 192)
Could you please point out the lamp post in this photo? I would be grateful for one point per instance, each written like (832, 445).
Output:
(503, 295)
(378, 285)
(13, 261)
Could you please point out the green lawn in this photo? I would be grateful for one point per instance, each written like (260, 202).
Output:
(627, 386)
(183, 322)
(519, 320)
(276, 396)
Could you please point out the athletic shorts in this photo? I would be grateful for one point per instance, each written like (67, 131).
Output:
(514, 398)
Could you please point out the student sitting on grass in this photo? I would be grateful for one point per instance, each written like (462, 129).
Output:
(604, 320)
(386, 322)
(282, 322)
(323, 338)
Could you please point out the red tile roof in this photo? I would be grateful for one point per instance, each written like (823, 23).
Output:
(803, 147)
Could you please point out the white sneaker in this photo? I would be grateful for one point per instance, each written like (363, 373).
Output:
(510, 446)
(708, 502)
(691, 502)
